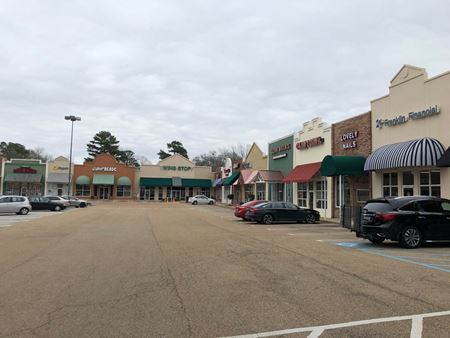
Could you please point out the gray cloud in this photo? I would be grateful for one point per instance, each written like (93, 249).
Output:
(207, 73)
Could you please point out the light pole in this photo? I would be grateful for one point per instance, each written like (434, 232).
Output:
(71, 118)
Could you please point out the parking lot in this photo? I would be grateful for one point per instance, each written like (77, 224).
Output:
(7, 220)
(178, 270)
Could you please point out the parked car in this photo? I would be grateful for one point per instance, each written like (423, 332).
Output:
(75, 201)
(17, 204)
(59, 200)
(201, 199)
(44, 203)
(409, 220)
(270, 212)
(240, 210)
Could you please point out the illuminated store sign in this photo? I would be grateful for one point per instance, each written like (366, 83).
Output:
(281, 148)
(317, 141)
(175, 168)
(110, 169)
(280, 156)
(402, 119)
(55, 167)
(349, 140)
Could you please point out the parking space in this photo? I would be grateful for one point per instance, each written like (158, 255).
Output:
(7, 220)
(431, 255)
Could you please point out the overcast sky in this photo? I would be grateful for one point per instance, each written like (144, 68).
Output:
(208, 73)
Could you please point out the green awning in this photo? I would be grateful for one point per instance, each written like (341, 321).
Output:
(31, 178)
(231, 179)
(155, 182)
(103, 180)
(196, 183)
(343, 165)
(123, 181)
(83, 180)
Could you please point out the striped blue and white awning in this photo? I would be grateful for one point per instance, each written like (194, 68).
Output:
(423, 152)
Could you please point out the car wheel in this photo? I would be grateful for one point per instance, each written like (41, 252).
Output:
(23, 211)
(376, 240)
(82, 205)
(195, 203)
(267, 219)
(57, 208)
(310, 219)
(411, 237)
(210, 202)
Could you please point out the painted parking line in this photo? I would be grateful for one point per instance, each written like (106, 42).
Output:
(316, 331)
(421, 258)
(9, 220)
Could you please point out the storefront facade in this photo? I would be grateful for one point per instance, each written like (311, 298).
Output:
(310, 189)
(281, 161)
(58, 176)
(1, 175)
(410, 135)
(254, 161)
(174, 178)
(104, 178)
(352, 144)
(23, 177)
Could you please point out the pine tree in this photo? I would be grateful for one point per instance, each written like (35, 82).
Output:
(103, 142)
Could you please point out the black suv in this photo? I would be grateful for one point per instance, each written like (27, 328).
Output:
(408, 220)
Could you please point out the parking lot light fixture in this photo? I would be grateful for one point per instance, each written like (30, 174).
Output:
(71, 118)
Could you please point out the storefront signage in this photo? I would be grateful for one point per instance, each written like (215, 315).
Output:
(175, 168)
(280, 156)
(25, 170)
(317, 141)
(110, 169)
(60, 168)
(349, 140)
(283, 147)
(402, 119)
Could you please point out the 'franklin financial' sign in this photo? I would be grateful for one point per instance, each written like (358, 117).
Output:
(402, 119)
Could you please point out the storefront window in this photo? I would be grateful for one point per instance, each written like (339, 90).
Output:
(408, 183)
(430, 183)
(390, 184)
(337, 190)
(289, 188)
(302, 193)
(160, 193)
(123, 191)
(83, 190)
(206, 191)
(248, 192)
(321, 194)
(260, 191)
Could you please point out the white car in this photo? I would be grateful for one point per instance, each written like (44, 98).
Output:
(18, 204)
(75, 201)
(201, 199)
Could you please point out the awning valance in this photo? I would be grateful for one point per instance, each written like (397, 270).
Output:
(155, 181)
(444, 161)
(196, 183)
(231, 179)
(124, 181)
(342, 165)
(58, 178)
(103, 180)
(302, 173)
(29, 178)
(83, 180)
(422, 152)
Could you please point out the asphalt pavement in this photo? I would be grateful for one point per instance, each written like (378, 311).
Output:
(177, 270)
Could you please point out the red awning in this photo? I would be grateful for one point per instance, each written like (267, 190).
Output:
(302, 173)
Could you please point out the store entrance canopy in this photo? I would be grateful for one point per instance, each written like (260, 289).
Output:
(342, 165)
(422, 152)
(103, 180)
(444, 161)
(155, 182)
(231, 179)
(302, 173)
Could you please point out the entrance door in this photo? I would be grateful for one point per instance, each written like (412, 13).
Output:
(311, 200)
(104, 192)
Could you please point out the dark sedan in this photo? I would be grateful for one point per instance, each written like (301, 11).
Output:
(241, 210)
(408, 220)
(44, 203)
(270, 212)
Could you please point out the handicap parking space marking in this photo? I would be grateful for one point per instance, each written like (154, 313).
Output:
(424, 259)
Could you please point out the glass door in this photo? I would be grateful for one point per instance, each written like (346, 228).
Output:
(104, 192)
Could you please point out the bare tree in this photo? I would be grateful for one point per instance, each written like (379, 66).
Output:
(216, 158)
